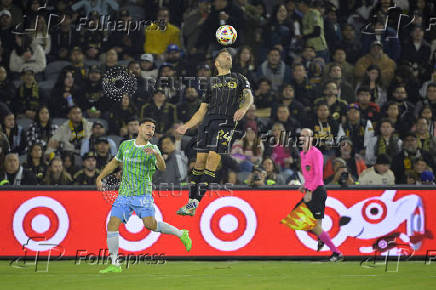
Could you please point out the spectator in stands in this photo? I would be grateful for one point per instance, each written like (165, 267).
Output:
(315, 71)
(407, 109)
(354, 162)
(248, 150)
(102, 7)
(174, 56)
(160, 110)
(70, 134)
(26, 55)
(15, 133)
(103, 153)
(251, 121)
(307, 56)
(222, 12)
(384, 35)
(279, 30)
(341, 175)
(69, 162)
(376, 56)
(94, 102)
(337, 108)
(77, 66)
(407, 157)
(347, 70)
(417, 51)
(7, 88)
(264, 95)
(128, 45)
(379, 174)
(404, 76)
(287, 98)
(384, 142)
(194, 19)
(16, 13)
(177, 163)
(272, 172)
(65, 95)
(430, 80)
(40, 35)
(429, 100)
(56, 174)
(63, 37)
(324, 127)
(35, 161)
(426, 142)
(148, 67)
(275, 148)
(313, 27)
(368, 110)
(427, 178)
(110, 60)
(4, 148)
(158, 39)
(258, 177)
(274, 69)
(28, 97)
(15, 174)
(92, 53)
(189, 106)
(41, 130)
(89, 172)
(284, 117)
(332, 29)
(89, 32)
(372, 80)
(245, 63)
(170, 83)
(7, 38)
(345, 91)
(357, 129)
(120, 116)
(427, 113)
(180, 141)
(304, 92)
(97, 131)
(131, 130)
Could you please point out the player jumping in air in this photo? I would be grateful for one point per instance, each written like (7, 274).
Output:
(315, 194)
(227, 99)
(139, 159)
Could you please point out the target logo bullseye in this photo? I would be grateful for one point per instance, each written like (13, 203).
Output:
(228, 223)
(134, 237)
(40, 216)
(334, 209)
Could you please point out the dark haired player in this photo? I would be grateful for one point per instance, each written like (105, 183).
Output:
(225, 102)
(139, 159)
(315, 194)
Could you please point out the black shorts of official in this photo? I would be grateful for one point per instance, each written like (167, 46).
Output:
(317, 204)
(215, 134)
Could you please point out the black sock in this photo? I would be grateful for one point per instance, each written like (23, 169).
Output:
(195, 180)
(207, 178)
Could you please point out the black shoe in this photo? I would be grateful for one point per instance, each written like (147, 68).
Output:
(320, 245)
(336, 257)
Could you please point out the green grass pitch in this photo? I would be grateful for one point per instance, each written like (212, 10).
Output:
(222, 275)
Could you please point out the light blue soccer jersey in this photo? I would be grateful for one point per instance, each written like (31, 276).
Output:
(138, 168)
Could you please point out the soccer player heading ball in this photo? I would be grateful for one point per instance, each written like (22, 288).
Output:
(139, 159)
(227, 99)
(315, 194)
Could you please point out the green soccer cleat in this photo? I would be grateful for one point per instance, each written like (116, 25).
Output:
(186, 240)
(189, 208)
(112, 268)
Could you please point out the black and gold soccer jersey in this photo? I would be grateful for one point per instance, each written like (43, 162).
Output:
(224, 94)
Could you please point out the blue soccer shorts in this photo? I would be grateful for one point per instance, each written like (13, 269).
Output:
(123, 207)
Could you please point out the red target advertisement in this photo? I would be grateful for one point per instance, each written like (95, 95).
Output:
(240, 223)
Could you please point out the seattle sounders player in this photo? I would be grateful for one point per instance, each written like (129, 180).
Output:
(139, 159)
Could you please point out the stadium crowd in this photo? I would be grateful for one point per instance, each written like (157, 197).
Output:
(355, 72)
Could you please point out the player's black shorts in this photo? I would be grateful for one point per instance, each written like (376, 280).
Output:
(215, 134)
(317, 204)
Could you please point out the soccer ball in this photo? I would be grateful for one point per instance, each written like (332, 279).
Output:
(226, 35)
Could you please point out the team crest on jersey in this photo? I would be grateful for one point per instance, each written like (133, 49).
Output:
(307, 168)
